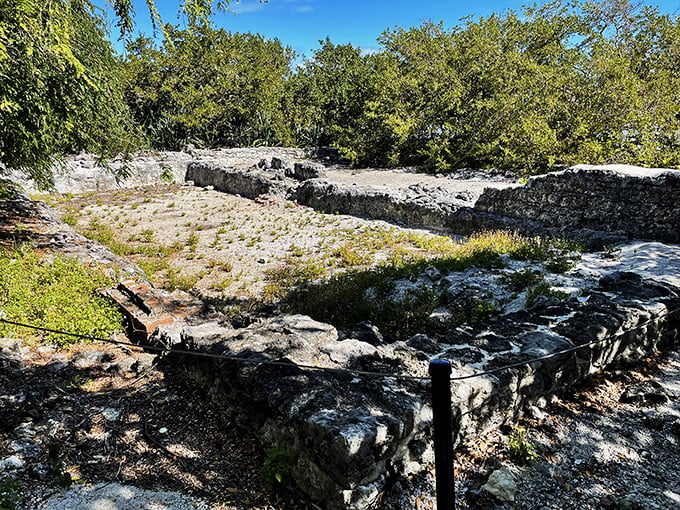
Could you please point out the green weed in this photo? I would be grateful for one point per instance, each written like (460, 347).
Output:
(520, 280)
(9, 493)
(278, 467)
(543, 289)
(520, 448)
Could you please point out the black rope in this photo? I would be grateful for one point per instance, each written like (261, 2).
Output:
(341, 371)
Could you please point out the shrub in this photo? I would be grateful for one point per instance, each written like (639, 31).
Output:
(9, 494)
(278, 466)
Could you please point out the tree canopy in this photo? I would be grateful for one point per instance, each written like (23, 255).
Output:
(563, 83)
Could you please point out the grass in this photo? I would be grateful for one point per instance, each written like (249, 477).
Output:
(332, 289)
(56, 294)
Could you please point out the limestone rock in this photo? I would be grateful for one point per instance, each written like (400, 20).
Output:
(502, 485)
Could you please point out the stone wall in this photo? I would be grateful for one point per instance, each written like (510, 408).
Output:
(598, 206)
(631, 201)
(351, 434)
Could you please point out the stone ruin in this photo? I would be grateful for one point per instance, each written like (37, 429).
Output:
(352, 435)
(358, 437)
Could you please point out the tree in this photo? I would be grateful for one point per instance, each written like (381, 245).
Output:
(59, 81)
(329, 93)
(209, 87)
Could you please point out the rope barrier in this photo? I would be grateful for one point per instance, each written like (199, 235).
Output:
(339, 371)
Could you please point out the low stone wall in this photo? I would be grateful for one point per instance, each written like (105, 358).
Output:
(635, 202)
(249, 183)
(351, 433)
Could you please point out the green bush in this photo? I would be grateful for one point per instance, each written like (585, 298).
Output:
(56, 294)
(9, 494)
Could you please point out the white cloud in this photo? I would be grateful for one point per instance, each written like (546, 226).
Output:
(369, 50)
(251, 6)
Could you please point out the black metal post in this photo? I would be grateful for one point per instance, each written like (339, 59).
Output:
(440, 373)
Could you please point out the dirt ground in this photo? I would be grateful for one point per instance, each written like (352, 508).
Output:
(220, 246)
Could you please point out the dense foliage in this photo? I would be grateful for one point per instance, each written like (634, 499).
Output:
(209, 87)
(59, 86)
(60, 81)
(590, 83)
(567, 82)
(555, 85)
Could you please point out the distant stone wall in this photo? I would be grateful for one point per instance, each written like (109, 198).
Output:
(595, 205)
(631, 201)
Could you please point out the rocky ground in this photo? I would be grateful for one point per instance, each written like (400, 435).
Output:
(99, 413)
(106, 415)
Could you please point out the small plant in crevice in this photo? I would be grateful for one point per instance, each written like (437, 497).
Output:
(9, 493)
(561, 262)
(54, 458)
(277, 469)
(520, 280)
(543, 289)
(520, 448)
(166, 174)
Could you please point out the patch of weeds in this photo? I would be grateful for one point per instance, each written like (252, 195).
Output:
(520, 280)
(295, 251)
(479, 311)
(192, 241)
(366, 295)
(543, 289)
(349, 257)
(561, 262)
(99, 232)
(147, 235)
(70, 217)
(9, 493)
(56, 294)
(283, 278)
(278, 467)
(224, 265)
(253, 241)
(175, 280)
(222, 285)
(521, 450)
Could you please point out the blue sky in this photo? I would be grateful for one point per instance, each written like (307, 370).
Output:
(300, 24)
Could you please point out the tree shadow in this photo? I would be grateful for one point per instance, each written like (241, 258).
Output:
(121, 420)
